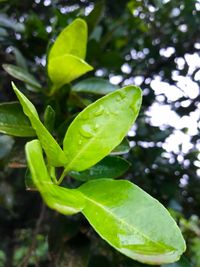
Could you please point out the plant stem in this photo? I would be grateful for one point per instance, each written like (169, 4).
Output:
(25, 261)
(52, 174)
(61, 177)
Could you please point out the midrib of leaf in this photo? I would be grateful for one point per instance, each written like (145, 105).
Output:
(92, 139)
(78, 155)
(16, 125)
(126, 224)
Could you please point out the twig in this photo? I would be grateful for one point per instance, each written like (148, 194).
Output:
(24, 262)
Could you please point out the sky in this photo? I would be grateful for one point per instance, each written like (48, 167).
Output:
(161, 114)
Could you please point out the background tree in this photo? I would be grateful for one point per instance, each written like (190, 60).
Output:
(154, 44)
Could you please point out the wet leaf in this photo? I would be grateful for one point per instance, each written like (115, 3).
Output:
(100, 127)
(53, 151)
(132, 221)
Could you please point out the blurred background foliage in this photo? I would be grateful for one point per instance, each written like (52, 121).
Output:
(152, 43)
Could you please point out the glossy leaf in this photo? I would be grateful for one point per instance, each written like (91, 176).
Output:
(49, 118)
(66, 57)
(97, 86)
(13, 121)
(66, 68)
(122, 148)
(109, 167)
(100, 127)
(132, 221)
(71, 41)
(66, 201)
(22, 75)
(53, 151)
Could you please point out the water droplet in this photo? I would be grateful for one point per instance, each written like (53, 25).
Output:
(132, 107)
(114, 112)
(135, 106)
(107, 112)
(86, 131)
(85, 116)
(120, 96)
(99, 111)
(96, 126)
(80, 141)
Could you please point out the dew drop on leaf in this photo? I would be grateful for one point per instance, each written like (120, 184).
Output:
(99, 111)
(96, 126)
(86, 131)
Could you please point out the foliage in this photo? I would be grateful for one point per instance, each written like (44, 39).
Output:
(114, 40)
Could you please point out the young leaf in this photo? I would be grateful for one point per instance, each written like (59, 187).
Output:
(132, 221)
(66, 57)
(49, 118)
(65, 201)
(22, 75)
(100, 127)
(66, 68)
(13, 121)
(53, 151)
(97, 86)
(109, 167)
(72, 41)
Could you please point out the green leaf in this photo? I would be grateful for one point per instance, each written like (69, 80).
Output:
(109, 167)
(49, 118)
(66, 68)
(100, 127)
(13, 121)
(53, 151)
(22, 75)
(65, 201)
(68, 52)
(6, 22)
(97, 86)
(122, 148)
(72, 40)
(132, 221)
(20, 60)
(3, 32)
